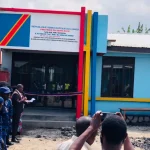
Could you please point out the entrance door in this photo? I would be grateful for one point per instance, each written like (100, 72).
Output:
(38, 73)
(49, 75)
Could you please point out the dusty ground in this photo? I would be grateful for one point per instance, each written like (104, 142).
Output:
(46, 139)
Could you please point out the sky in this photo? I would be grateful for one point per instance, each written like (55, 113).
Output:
(121, 13)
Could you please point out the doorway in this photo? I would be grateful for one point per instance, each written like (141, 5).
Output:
(46, 74)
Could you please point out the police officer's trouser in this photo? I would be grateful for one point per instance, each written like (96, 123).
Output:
(15, 124)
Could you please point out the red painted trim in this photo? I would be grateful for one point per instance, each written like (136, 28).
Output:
(39, 11)
(0, 57)
(80, 64)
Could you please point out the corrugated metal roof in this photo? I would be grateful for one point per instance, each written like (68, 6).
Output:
(130, 40)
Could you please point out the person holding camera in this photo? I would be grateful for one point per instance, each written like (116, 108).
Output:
(113, 135)
(81, 125)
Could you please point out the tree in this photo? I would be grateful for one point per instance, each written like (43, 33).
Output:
(147, 30)
(123, 30)
(140, 29)
(133, 31)
(129, 29)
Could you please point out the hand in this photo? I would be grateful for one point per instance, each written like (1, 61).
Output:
(96, 120)
(120, 115)
(25, 98)
(27, 101)
(2, 144)
(22, 100)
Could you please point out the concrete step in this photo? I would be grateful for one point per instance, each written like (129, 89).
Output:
(49, 117)
(47, 124)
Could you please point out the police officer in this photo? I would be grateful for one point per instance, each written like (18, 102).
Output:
(4, 93)
(2, 145)
(8, 105)
(4, 121)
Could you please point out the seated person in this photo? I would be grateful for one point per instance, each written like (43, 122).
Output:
(81, 125)
(113, 134)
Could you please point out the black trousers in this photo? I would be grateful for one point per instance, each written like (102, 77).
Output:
(15, 123)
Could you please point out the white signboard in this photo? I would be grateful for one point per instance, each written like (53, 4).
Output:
(47, 32)
(55, 32)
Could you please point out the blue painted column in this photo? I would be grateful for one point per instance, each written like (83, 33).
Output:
(93, 62)
(102, 34)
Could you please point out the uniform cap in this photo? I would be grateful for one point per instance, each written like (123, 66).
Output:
(5, 90)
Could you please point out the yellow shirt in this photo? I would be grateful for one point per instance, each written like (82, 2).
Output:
(66, 145)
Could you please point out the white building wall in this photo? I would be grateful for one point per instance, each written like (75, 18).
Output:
(7, 61)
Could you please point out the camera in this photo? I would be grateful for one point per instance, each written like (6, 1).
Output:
(106, 114)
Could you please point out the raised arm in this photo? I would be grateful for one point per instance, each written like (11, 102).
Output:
(95, 124)
(127, 143)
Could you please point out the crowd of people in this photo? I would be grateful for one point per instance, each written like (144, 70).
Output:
(11, 108)
(113, 129)
(113, 133)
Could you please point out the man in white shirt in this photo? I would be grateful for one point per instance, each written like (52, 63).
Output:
(81, 125)
(113, 134)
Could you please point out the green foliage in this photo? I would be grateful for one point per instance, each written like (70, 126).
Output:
(129, 29)
(140, 29)
(133, 31)
(123, 30)
(147, 30)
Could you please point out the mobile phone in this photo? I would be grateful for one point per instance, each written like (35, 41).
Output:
(106, 114)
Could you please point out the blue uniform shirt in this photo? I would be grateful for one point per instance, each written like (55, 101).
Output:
(8, 105)
(5, 120)
(1, 121)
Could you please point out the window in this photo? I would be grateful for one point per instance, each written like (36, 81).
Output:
(117, 77)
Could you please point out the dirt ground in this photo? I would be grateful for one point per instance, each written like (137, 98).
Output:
(48, 139)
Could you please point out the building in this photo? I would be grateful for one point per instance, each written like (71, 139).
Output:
(122, 73)
(67, 60)
(46, 51)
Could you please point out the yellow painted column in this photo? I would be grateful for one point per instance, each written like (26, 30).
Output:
(83, 81)
(87, 62)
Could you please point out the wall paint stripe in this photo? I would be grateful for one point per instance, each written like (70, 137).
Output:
(0, 57)
(102, 34)
(80, 63)
(93, 67)
(40, 11)
(122, 99)
(87, 63)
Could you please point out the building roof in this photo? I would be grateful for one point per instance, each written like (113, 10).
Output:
(129, 40)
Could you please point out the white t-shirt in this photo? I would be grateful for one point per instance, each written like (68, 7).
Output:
(66, 145)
